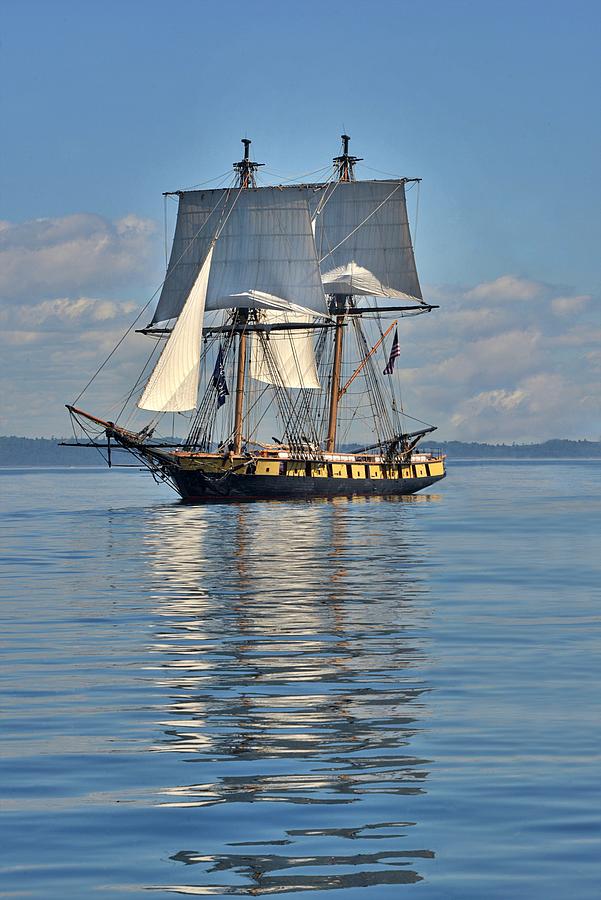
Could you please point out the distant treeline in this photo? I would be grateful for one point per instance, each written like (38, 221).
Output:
(557, 448)
(20, 451)
(553, 449)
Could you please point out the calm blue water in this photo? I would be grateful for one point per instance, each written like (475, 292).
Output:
(388, 699)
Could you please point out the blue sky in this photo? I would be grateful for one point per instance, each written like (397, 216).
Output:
(495, 104)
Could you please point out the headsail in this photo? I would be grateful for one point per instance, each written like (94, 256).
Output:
(173, 385)
(363, 240)
(266, 247)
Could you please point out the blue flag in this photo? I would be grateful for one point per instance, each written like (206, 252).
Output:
(219, 382)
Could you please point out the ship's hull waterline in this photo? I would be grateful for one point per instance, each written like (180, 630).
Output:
(207, 477)
(196, 488)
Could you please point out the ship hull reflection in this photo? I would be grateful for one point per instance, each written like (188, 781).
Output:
(291, 646)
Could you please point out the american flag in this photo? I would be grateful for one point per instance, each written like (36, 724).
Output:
(394, 354)
(219, 382)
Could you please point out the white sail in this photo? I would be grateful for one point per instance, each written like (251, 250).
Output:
(261, 301)
(284, 358)
(363, 240)
(173, 384)
(266, 246)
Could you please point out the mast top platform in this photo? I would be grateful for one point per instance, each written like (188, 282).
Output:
(346, 163)
(246, 168)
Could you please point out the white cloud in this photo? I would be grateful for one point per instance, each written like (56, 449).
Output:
(594, 359)
(488, 401)
(550, 393)
(570, 306)
(508, 359)
(492, 358)
(506, 287)
(541, 406)
(480, 321)
(63, 313)
(19, 337)
(578, 336)
(44, 258)
(484, 368)
(63, 310)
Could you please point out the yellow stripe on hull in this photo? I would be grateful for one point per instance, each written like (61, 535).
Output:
(296, 468)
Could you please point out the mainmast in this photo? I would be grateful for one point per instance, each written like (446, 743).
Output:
(246, 172)
(339, 304)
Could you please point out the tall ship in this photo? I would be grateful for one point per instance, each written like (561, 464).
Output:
(275, 345)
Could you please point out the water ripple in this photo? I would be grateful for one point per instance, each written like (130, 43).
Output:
(277, 698)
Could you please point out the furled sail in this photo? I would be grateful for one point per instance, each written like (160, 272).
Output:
(284, 358)
(173, 384)
(266, 248)
(363, 240)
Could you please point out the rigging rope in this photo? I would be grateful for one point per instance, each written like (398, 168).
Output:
(416, 215)
(209, 181)
(295, 178)
(117, 345)
(146, 305)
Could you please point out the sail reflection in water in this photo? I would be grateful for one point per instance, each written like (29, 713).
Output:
(292, 655)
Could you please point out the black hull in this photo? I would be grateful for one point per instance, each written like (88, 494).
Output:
(195, 487)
